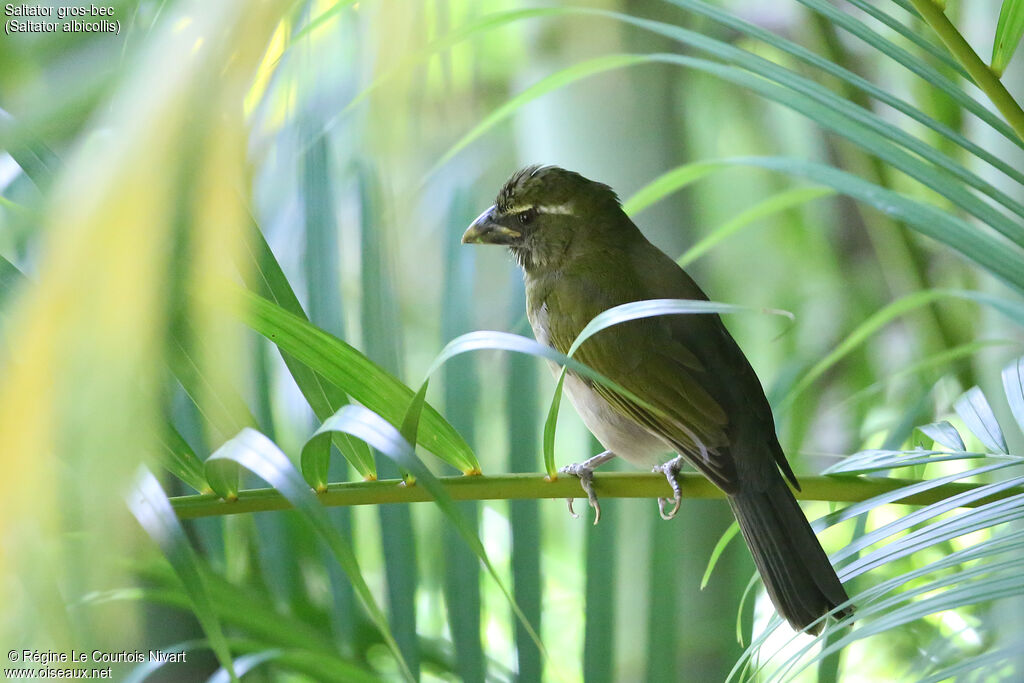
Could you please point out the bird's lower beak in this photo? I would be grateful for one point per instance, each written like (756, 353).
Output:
(487, 230)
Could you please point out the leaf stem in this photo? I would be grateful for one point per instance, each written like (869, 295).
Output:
(983, 76)
(836, 488)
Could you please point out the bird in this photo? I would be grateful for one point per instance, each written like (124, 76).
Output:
(580, 255)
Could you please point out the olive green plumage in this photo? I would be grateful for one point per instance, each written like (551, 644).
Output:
(582, 255)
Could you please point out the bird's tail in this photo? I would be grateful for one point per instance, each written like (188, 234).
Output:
(796, 571)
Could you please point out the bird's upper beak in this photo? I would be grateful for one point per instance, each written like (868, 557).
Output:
(488, 229)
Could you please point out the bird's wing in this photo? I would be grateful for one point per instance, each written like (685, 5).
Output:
(644, 357)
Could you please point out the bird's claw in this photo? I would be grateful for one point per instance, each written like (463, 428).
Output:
(586, 476)
(670, 470)
(671, 513)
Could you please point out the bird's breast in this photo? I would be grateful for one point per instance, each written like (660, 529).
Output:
(539, 321)
(617, 433)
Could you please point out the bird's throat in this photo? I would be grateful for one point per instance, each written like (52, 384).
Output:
(523, 257)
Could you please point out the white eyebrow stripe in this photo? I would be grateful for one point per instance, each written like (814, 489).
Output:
(558, 209)
(562, 209)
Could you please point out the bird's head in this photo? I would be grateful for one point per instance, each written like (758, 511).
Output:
(539, 213)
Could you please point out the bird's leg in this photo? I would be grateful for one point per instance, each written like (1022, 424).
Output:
(584, 471)
(670, 470)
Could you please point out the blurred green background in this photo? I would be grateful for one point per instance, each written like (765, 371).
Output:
(864, 175)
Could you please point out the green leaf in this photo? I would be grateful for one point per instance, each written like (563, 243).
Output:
(976, 518)
(998, 544)
(993, 254)
(774, 204)
(321, 19)
(911, 34)
(263, 274)
(897, 611)
(488, 340)
(944, 359)
(474, 28)
(247, 610)
(944, 529)
(977, 585)
(180, 460)
(863, 128)
(885, 315)
(150, 506)
(258, 454)
(653, 308)
(34, 156)
(1009, 30)
(845, 118)
(480, 340)
(11, 279)
(716, 553)
(822, 105)
(774, 622)
(880, 460)
(669, 183)
(917, 517)
(977, 414)
(353, 372)
(223, 477)
(550, 426)
(557, 80)
(381, 435)
(945, 434)
(316, 452)
(857, 510)
(176, 455)
(245, 664)
(615, 316)
(919, 67)
(223, 409)
(411, 423)
(1013, 385)
(987, 660)
(902, 493)
(17, 208)
(380, 327)
(322, 279)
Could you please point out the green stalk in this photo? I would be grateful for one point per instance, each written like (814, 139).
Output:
(983, 76)
(836, 488)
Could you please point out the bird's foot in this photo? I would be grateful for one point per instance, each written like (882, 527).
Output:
(670, 470)
(584, 471)
(586, 477)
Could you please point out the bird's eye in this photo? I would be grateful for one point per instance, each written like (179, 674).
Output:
(525, 216)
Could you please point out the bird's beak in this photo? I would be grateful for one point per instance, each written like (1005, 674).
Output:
(487, 230)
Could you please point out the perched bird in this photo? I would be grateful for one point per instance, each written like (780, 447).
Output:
(581, 255)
